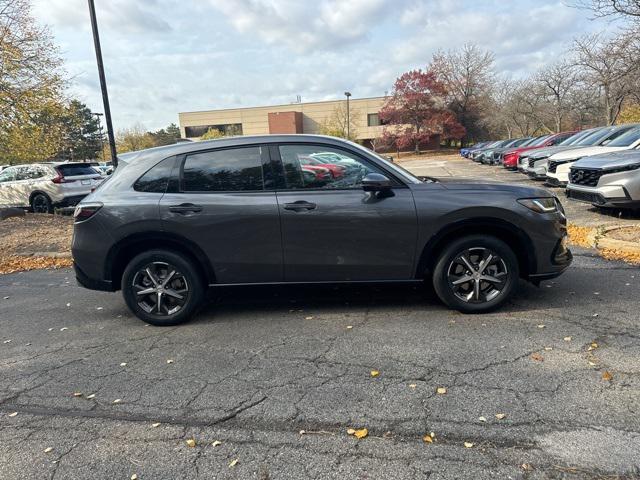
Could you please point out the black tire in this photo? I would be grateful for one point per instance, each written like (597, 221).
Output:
(41, 203)
(450, 267)
(184, 282)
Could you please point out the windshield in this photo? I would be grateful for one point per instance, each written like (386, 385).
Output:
(576, 137)
(626, 139)
(539, 141)
(600, 136)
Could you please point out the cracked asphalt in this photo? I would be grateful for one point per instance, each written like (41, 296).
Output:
(259, 365)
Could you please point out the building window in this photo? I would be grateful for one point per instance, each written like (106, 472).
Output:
(373, 120)
(228, 129)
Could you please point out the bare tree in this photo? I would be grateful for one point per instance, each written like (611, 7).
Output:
(605, 8)
(468, 76)
(556, 84)
(610, 66)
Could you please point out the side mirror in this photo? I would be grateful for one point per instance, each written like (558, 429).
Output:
(375, 182)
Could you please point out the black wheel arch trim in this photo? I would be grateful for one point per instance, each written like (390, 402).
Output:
(498, 227)
(137, 243)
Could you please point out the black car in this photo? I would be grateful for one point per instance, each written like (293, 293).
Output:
(172, 221)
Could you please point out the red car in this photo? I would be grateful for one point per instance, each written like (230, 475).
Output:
(314, 173)
(337, 171)
(510, 157)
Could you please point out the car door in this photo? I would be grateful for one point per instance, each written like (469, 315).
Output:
(225, 203)
(332, 230)
(8, 194)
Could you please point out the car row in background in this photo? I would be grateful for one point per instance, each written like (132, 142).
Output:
(48, 185)
(599, 165)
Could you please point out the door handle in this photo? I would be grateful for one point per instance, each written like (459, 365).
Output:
(185, 208)
(299, 206)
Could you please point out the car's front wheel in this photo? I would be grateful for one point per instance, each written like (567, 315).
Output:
(476, 274)
(162, 287)
(41, 203)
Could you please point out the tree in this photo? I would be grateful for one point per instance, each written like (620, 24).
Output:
(605, 8)
(610, 65)
(134, 138)
(336, 124)
(31, 86)
(166, 136)
(416, 110)
(81, 133)
(212, 134)
(630, 114)
(556, 84)
(468, 77)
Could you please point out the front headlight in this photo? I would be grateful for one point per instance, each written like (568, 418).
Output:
(540, 205)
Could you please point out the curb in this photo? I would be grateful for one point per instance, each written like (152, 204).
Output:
(623, 246)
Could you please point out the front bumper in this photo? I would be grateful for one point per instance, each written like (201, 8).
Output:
(554, 182)
(610, 196)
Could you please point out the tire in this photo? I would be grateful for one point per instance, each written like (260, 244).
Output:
(465, 296)
(185, 282)
(41, 203)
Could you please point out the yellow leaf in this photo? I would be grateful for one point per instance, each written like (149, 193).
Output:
(567, 339)
(606, 376)
(191, 443)
(349, 327)
(154, 425)
(233, 463)
(170, 361)
(375, 373)
(542, 325)
(427, 439)
(468, 444)
(500, 416)
(134, 477)
(548, 349)
(361, 433)
(216, 443)
(350, 431)
(308, 318)
(13, 414)
(48, 449)
(77, 394)
(537, 357)
(441, 390)
(412, 385)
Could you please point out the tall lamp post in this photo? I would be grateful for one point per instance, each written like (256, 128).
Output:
(98, 115)
(103, 83)
(348, 94)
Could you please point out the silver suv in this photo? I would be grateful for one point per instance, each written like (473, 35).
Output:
(44, 186)
(607, 180)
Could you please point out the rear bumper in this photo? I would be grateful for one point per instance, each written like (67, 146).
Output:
(92, 283)
(69, 201)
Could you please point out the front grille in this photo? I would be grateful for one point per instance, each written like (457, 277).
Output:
(532, 162)
(553, 166)
(586, 197)
(496, 156)
(585, 176)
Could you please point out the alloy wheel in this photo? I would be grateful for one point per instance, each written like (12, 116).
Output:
(40, 204)
(160, 289)
(477, 275)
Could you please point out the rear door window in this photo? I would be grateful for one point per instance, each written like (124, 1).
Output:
(228, 170)
(75, 169)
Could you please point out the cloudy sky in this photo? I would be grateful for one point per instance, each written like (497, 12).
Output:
(167, 56)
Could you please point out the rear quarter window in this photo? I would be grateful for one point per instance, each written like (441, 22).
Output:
(157, 178)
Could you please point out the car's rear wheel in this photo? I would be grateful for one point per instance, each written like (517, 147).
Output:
(476, 274)
(162, 288)
(41, 203)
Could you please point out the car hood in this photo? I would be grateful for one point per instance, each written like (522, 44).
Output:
(584, 152)
(476, 184)
(548, 151)
(619, 159)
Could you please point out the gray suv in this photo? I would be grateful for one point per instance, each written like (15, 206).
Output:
(172, 221)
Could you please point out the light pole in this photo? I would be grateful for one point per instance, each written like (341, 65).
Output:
(103, 83)
(98, 115)
(348, 94)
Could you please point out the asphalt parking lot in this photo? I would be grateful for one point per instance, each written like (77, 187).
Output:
(88, 391)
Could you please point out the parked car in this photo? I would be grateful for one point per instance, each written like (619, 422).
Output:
(493, 156)
(44, 186)
(478, 155)
(510, 157)
(619, 138)
(2, 167)
(607, 180)
(465, 151)
(175, 220)
(522, 160)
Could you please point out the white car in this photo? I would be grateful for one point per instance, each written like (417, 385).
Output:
(559, 164)
(43, 186)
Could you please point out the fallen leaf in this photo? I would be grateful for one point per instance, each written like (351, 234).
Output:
(7, 341)
(350, 431)
(13, 414)
(468, 444)
(233, 463)
(500, 416)
(68, 304)
(63, 329)
(308, 318)
(7, 298)
(98, 308)
(302, 432)
(593, 364)
(48, 449)
(482, 419)
(349, 327)
(526, 466)
(218, 442)
(134, 477)
(154, 425)
(542, 325)
(548, 349)
(117, 400)
(441, 390)
(607, 377)
(93, 395)
(427, 439)
(170, 361)
(595, 314)
(412, 385)
(123, 364)
(537, 357)
(567, 339)
(375, 373)
(361, 433)
(77, 394)
(191, 443)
